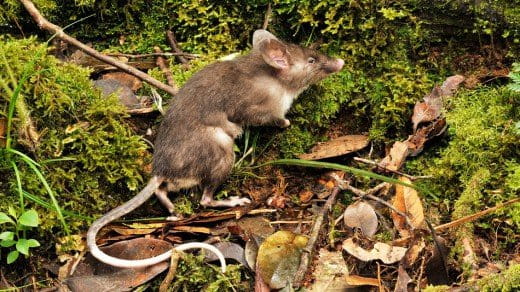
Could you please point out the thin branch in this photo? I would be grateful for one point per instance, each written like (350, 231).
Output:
(313, 238)
(267, 17)
(174, 262)
(161, 62)
(58, 31)
(371, 162)
(175, 47)
(475, 216)
(131, 56)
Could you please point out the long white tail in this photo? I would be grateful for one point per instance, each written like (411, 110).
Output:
(122, 210)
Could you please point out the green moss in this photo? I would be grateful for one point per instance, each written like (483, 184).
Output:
(75, 122)
(437, 289)
(194, 275)
(508, 280)
(478, 166)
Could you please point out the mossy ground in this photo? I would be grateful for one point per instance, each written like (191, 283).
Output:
(395, 51)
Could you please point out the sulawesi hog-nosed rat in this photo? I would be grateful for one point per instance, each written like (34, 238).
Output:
(194, 144)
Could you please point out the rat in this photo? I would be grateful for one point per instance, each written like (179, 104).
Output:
(194, 143)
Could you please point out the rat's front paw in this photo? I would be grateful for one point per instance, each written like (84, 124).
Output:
(284, 123)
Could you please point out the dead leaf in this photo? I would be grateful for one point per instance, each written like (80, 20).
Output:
(412, 254)
(93, 275)
(124, 93)
(429, 109)
(140, 225)
(132, 231)
(361, 215)
(336, 147)
(407, 201)
(230, 250)
(251, 252)
(277, 201)
(354, 280)
(420, 137)
(381, 251)
(451, 84)
(124, 78)
(306, 196)
(330, 272)
(279, 258)
(193, 229)
(396, 157)
(403, 279)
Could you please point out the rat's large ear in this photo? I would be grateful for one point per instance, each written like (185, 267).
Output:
(273, 51)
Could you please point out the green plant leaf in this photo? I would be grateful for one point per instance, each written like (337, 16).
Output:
(4, 218)
(12, 256)
(7, 235)
(33, 243)
(7, 243)
(12, 212)
(29, 218)
(23, 246)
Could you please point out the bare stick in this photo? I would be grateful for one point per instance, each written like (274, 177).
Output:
(475, 216)
(267, 17)
(58, 31)
(174, 262)
(464, 219)
(131, 56)
(140, 111)
(313, 238)
(161, 62)
(371, 162)
(175, 47)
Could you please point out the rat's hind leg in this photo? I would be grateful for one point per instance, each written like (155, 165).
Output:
(162, 195)
(208, 201)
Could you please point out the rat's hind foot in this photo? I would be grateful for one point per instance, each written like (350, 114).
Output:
(162, 195)
(230, 202)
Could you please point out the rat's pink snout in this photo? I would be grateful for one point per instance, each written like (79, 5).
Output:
(333, 65)
(339, 64)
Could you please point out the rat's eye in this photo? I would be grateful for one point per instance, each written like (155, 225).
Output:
(311, 60)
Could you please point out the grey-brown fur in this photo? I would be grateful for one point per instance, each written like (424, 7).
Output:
(194, 145)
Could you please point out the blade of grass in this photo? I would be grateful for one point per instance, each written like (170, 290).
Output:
(47, 161)
(40, 176)
(27, 72)
(49, 206)
(18, 185)
(24, 156)
(20, 192)
(353, 170)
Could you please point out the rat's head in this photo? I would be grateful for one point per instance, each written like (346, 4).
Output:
(298, 67)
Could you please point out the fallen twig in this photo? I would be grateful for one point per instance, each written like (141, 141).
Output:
(161, 62)
(58, 31)
(475, 216)
(345, 185)
(464, 219)
(140, 111)
(267, 17)
(137, 56)
(290, 222)
(174, 262)
(371, 162)
(175, 47)
(313, 238)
